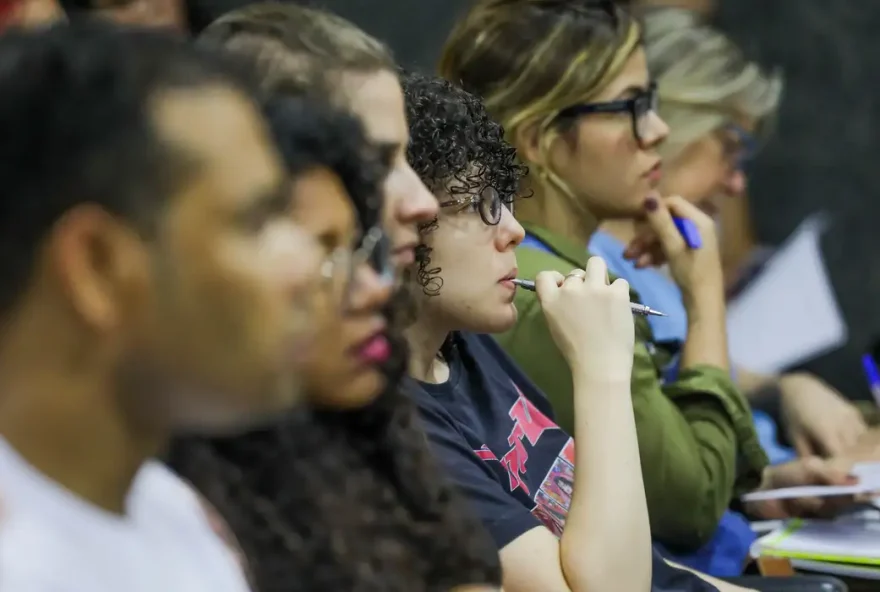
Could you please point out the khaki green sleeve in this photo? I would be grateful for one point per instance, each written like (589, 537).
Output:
(698, 448)
(697, 443)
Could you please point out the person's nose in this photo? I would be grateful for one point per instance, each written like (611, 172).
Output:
(510, 231)
(655, 132)
(412, 202)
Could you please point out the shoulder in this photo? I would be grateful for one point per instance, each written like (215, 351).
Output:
(178, 504)
(33, 557)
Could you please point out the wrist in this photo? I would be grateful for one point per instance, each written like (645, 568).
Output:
(584, 379)
(704, 301)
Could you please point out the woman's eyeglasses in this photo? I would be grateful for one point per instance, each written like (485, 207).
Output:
(339, 269)
(639, 107)
(740, 145)
(488, 203)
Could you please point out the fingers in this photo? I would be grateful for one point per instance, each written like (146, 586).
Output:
(803, 507)
(660, 218)
(574, 277)
(802, 445)
(547, 283)
(679, 206)
(596, 272)
(621, 286)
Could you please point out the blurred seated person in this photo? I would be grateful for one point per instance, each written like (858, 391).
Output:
(489, 424)
(344, 495)
(717, 104)
(154, 284)
(29, 13)
(185, 16)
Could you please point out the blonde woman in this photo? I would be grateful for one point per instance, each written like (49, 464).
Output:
(569, 82)
(716, 103)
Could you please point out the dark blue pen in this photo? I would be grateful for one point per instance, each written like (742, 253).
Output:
(689, 232)
(872, 373)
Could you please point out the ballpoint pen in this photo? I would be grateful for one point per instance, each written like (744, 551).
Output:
(872, 373)
(636, 308)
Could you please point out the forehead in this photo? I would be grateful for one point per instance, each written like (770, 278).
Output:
(224, 134)
(377, 99)
(633, 74)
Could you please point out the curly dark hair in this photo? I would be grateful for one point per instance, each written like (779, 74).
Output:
(457, 149)
(329, 500)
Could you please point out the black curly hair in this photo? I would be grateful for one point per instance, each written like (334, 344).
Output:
(329, 500)
(455, 148)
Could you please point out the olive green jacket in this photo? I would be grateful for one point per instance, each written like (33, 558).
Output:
(696, 439)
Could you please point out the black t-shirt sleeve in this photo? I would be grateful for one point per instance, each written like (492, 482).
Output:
(503, 515)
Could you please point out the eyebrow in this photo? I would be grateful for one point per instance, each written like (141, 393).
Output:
(271, 200)
(631, 90)
(388, 151)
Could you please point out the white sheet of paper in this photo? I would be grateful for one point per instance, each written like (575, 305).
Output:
(838, 569)
(789, 313)
(869, 482)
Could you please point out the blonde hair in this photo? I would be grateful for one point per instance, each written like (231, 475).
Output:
(703, 78)
(530, 59)
(294, 48)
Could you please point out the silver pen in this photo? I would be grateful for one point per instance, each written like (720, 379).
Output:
(636, 308)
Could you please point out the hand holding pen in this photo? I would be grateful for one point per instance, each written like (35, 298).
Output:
(636, 308)
(590, 321)
(682, 235)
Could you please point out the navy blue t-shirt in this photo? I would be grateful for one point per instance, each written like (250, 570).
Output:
(493, 431)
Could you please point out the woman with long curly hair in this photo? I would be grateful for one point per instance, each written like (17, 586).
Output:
(344, 495)
(490, 425)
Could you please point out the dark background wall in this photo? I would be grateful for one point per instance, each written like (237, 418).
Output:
(825, 155)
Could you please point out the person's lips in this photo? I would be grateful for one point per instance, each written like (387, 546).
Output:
(655, 173)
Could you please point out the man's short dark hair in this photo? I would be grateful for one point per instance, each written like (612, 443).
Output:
(75, 114)
(309, 134)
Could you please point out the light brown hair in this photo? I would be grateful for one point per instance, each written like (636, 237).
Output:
(295, 48)
(529, 59)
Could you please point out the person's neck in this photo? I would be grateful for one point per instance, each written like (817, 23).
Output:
(550, 209)
(63, 415)
(623, 230)
(425, 340)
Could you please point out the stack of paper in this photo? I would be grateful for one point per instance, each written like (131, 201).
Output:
(869, 482)
(845, 547)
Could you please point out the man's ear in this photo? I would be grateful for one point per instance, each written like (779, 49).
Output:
(97, 260)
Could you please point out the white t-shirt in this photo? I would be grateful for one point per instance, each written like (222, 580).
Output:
(53, 541)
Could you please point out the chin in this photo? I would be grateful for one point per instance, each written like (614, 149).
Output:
(350, 393)
(498, 322)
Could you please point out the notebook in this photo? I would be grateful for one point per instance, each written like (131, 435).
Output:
(829, 544)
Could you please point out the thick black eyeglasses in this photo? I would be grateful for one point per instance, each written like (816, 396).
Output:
(339, 269)
(488, 203)
(639, 107)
